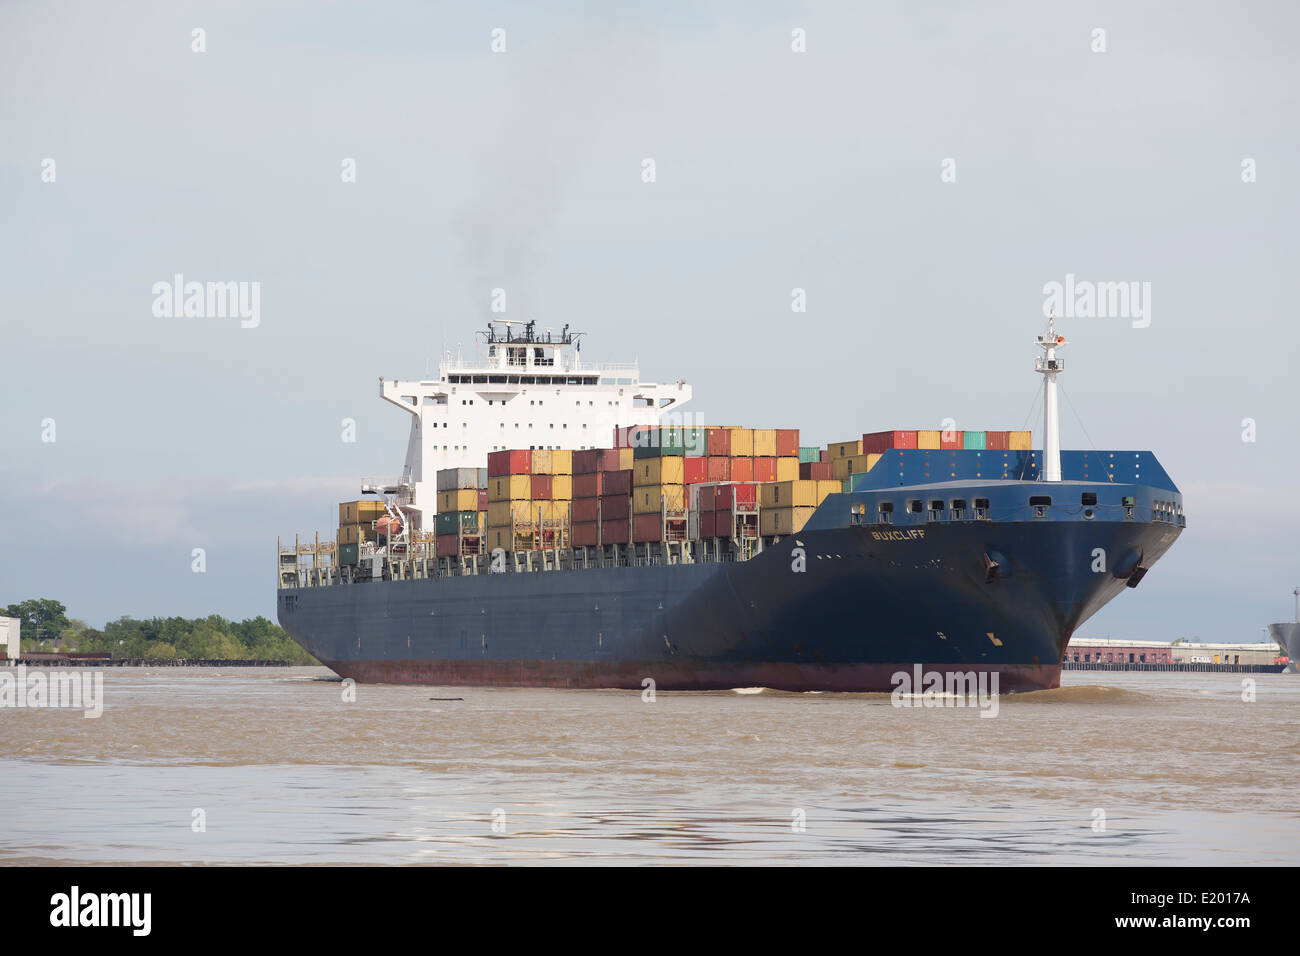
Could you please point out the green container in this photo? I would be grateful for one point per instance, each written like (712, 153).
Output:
(852, 482)
(670, 440)
(809, 454)
(974, 440)
(349, 553)
(457, 522)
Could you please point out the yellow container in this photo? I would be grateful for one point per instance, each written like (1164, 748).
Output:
(541, 459)
(669, 470)
(825, 488)
(561, 462)
(648, 499)
(764, 443)
(510, 488)
(1020, 441)
(500, 513)
(787, 469)
(355, 533)
(626, 459)
(463, 499)
(561, 487)
(501, 538)
(927, 439)
(788, 494)
(840, 468)
(845, 449)
(742, 442)
(783, 521)
(360, 512)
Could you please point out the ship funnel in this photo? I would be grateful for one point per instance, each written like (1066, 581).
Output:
(1050, 366)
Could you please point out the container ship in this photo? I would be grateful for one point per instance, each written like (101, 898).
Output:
(559, 524)
(1287, 635)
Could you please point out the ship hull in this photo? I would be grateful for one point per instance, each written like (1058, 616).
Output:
(1287, 636)
(857, 607)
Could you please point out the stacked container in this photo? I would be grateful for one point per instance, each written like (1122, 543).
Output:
(461, 521)
(356, 524)
(787, 505)
(590, 494)
(726, 510)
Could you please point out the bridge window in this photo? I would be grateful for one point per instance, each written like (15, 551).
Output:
(915, 506)
(886, 511)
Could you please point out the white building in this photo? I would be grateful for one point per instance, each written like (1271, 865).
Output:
(529, 390)
(11, 637)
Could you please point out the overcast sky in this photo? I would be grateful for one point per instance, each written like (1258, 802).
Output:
(822, 170)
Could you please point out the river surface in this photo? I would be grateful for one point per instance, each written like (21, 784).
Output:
(240, 766)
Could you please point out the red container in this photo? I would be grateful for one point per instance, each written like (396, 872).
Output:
(825, 455)
(541, 488)
(615, 506)
(873, 443)
(482, 500)
(725, 496)
(616, 482)
(694, 470)
(513, 461)
(583, 533)
(953, 441)
(719, 469)
(742, 469)
(585, 461)
(647, 528)
(616, 531)
(787, 443)
(997, 441)
(815, 471)
(704, 498)
(717, 442)
(626, 437)
(585, 509)
(607, 459)
(586, 485)
(765, 469)
(723, 523)
(447, 544)
(706, 524)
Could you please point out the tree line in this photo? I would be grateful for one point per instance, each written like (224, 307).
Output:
(46, 627)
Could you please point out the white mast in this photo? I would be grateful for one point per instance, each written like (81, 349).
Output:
(1050, 366)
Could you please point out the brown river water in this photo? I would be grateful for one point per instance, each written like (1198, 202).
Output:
(239, 766)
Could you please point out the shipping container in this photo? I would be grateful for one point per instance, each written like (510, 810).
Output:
(647, 527)
(927, 438)
(482, 495)
(997, 441)
(447, 545)
(658, 471)
(349, 553)
(765, 469)
(845, 449)
(615, 531)
(454, 479)
(787, 494)
(540, 461)
(973, 440)
(616, 482)
(353, 533)
(512, 461)
(510, 488)
(586, 484)
(625, 457)
(952, 439)
(841, 468)
(1020, 441)
(694, 470)
(742, 469)
(718, 469)
(561, 461)
(707, 524)
(783, 521)
(787, 443)
(816, 471)
(540, 485)
(586, 461)
(787, 469)
(360, 512)
(727, 496)
(717, 442)
(809, 453)
(702, 497)
(585, 509)
(457, 522)
(647, 452)
(764, 442)
(877, 442)
(742, 442)
(464, 499)
(584, 533)
(650, 498)
(615, 506)
(825, 488)
(500, 513)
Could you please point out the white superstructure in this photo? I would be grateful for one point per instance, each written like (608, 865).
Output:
(524, 390)
(1050, 366)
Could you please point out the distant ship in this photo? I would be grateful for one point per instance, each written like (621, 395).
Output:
(958, 554)
(1287, 635)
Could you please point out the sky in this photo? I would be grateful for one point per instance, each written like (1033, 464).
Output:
(922, 174)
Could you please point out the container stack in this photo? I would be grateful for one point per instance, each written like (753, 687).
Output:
(848, 458)
(356, 524)
(977, 440)
(461, 522)
(726, 510)
(786, 506)
(592, 497)
(528, 496)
